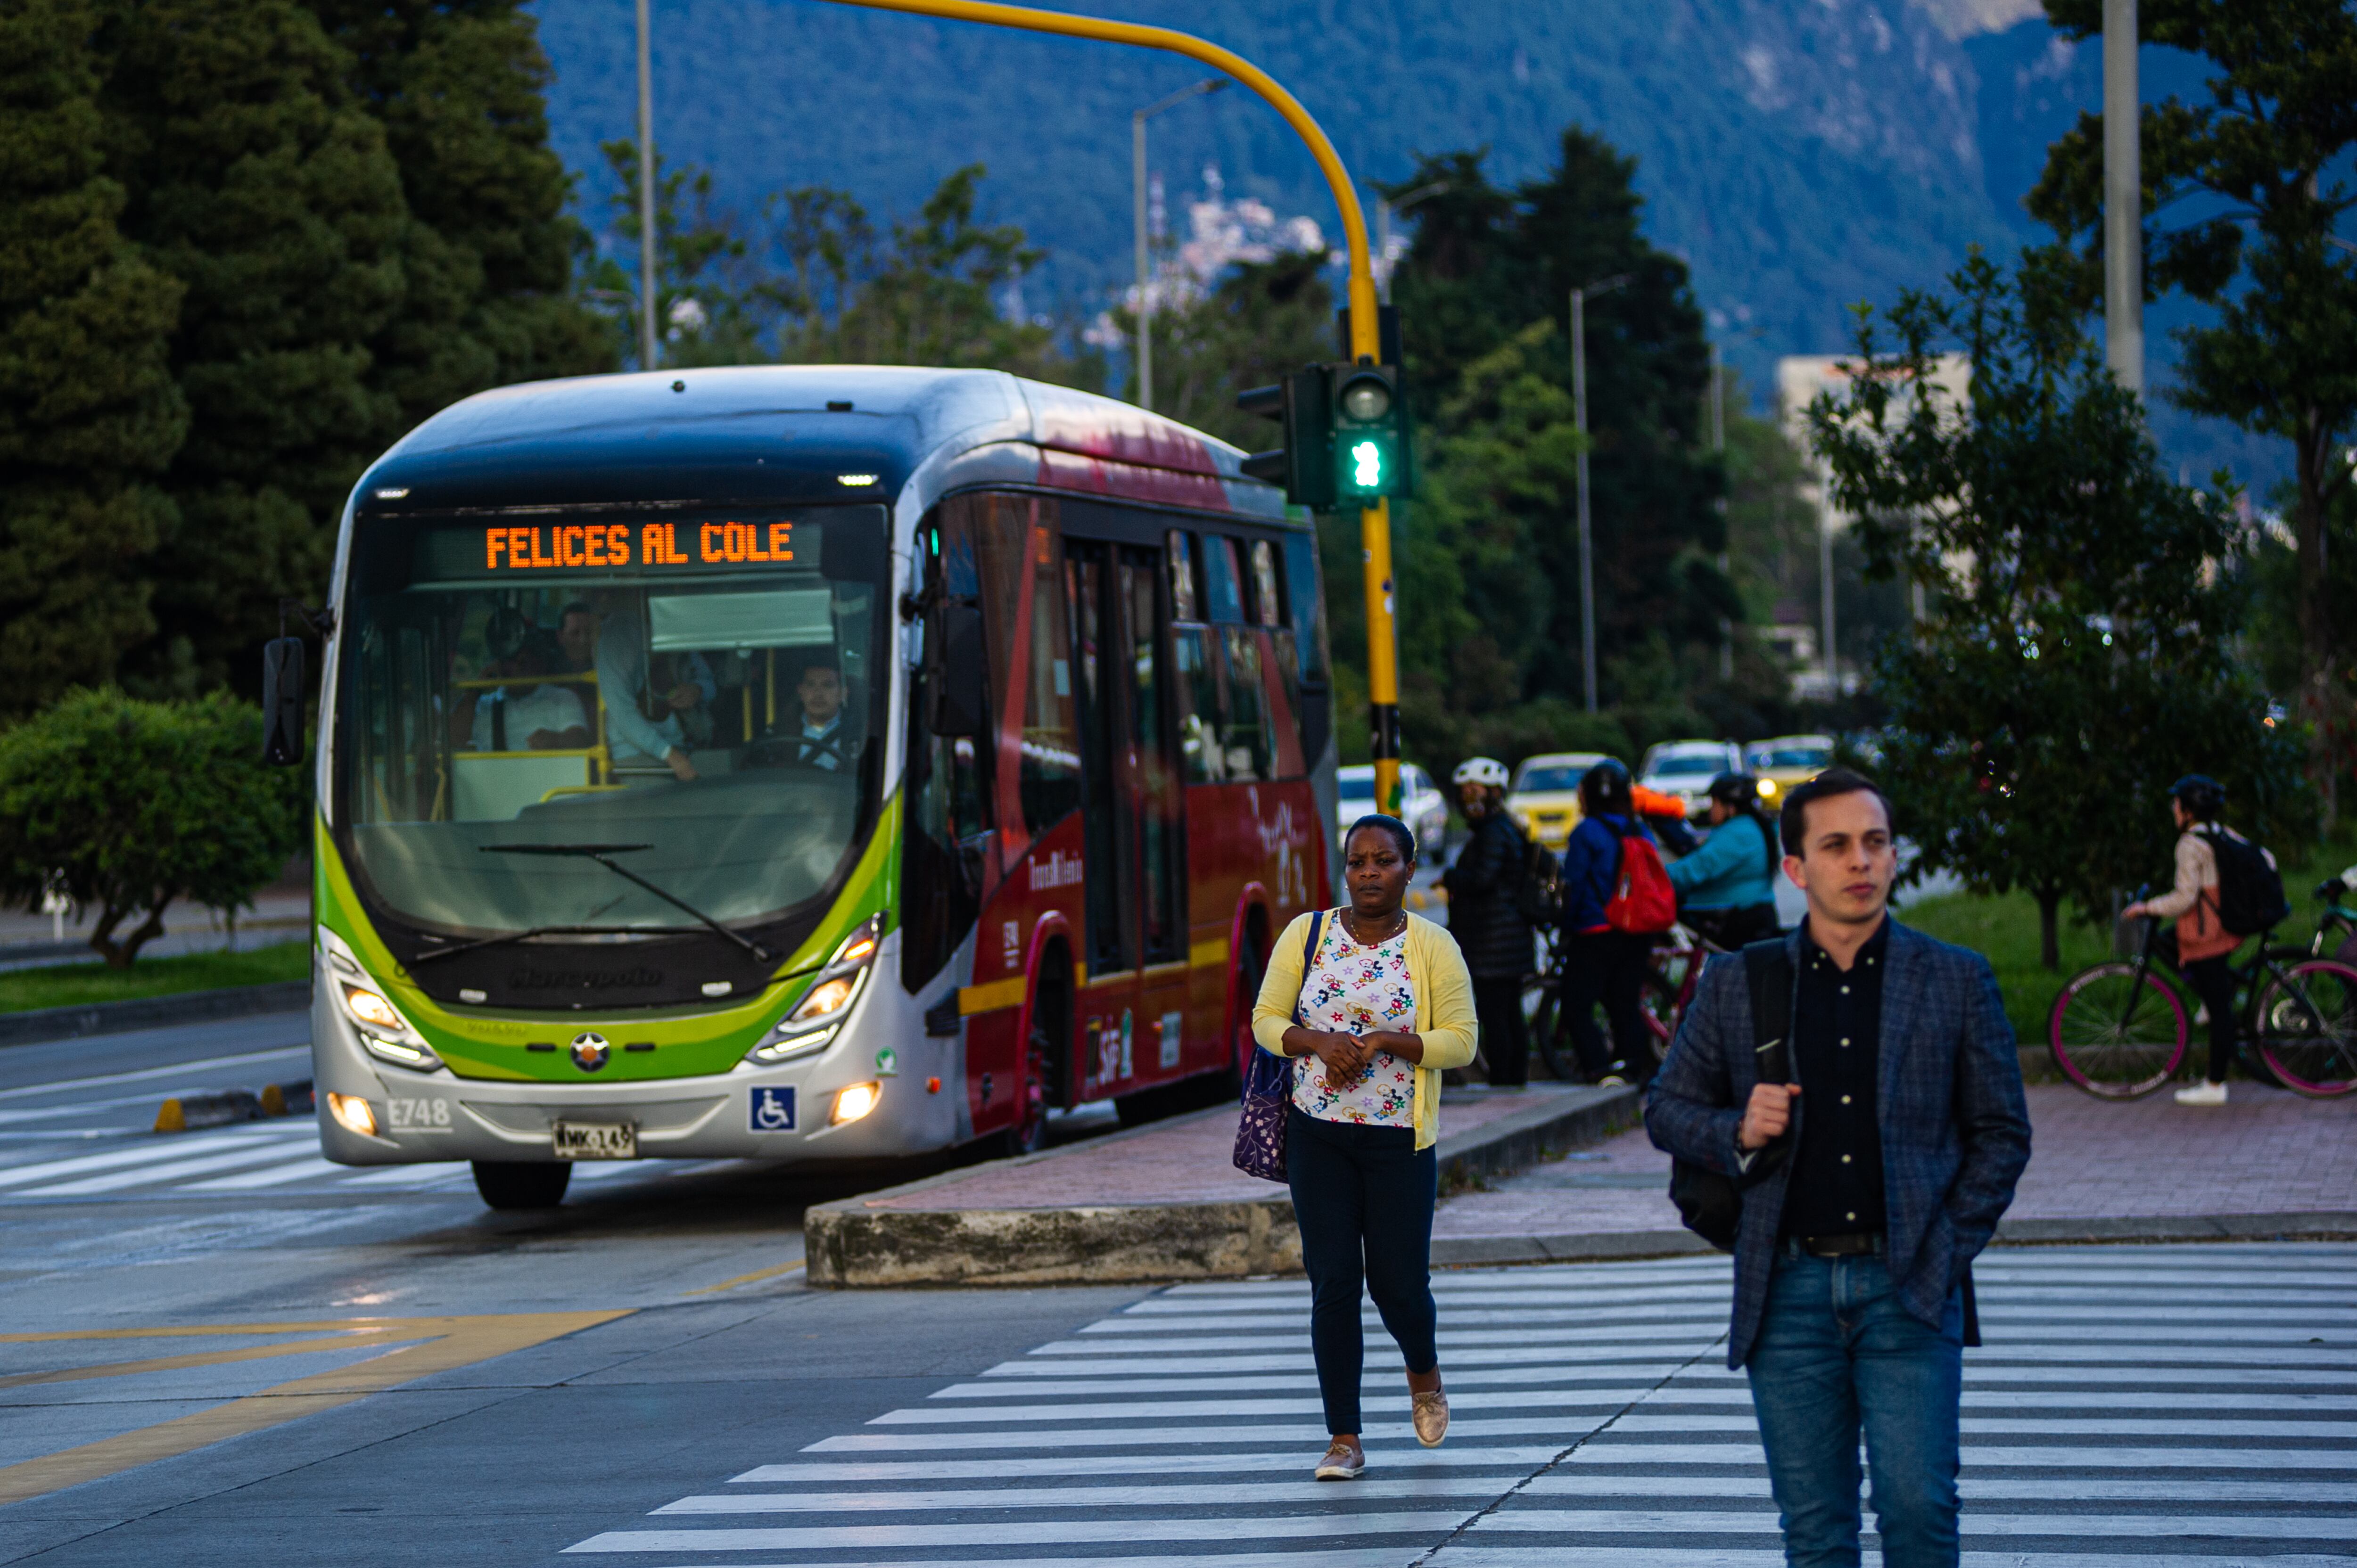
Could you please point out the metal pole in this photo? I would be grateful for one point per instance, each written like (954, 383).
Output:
(1145, 299)
(1826, 576)
(1383, 249)
(1718, 444)
(648, 346)
(1587, 543)
(2123, 200)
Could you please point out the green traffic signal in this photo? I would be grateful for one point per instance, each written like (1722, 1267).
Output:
(1368, 439)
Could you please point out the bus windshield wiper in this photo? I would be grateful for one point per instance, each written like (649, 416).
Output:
(599, 852)
(527, 934)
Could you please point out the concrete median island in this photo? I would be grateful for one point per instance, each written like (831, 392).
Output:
(1155, 1203)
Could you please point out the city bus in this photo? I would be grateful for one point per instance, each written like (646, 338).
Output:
(801, 764)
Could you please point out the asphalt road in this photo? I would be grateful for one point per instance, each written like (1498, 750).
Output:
(316, 1369)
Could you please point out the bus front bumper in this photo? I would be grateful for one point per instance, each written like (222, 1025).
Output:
(781, 1112)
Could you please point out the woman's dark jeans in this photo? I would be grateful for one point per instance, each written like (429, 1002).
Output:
(1363, 1197)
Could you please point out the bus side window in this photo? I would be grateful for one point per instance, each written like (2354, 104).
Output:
(1202, 752)
(941, 883)
(1050, 773)
(1245, 735)
(1224, 587)
(1268, 609)
(1305, 604)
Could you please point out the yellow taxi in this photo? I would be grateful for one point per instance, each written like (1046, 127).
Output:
(1785, 761)
(1543, 799)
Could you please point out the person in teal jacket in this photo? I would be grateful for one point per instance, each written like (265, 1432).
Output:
(1727, 889)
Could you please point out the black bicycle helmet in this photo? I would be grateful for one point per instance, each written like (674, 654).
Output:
(1734, 790)
(1604, 790)
(2203, 798)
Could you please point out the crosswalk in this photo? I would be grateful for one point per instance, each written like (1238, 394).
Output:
(2191, 1407)
(260, 1158)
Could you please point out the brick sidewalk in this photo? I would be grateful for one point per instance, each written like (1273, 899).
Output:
(1184, 1161)
(2267, 1153)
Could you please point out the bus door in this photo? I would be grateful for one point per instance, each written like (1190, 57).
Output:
(1136, 863)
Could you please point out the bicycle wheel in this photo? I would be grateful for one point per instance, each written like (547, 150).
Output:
(1659, 999)
(2115, 1035)
(1541, 997)
(2307, 1030)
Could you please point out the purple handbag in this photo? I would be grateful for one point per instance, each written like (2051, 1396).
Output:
(1268, 1090)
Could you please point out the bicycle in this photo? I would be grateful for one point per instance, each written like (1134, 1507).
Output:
(1668, 989)
(2118, 1029)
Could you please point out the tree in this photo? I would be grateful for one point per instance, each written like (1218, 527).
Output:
(2075, 658)
(487, 253)
(258, 182)
(129, 805)
(2264, 168)
(88, 414)
(1259, 321)
(1487, 265)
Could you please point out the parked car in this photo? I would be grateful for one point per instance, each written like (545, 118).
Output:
(1787, 760)
(1686, 768)
(1423, 807)
(1545, 796)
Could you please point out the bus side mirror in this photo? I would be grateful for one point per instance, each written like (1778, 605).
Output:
(955, 683)
(282, 702)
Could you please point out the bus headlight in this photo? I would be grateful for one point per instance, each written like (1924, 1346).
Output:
(814, 1021)
(852, 1103)
(382, 1030)
(352, 1113)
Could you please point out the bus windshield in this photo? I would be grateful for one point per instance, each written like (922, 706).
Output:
(692, 696)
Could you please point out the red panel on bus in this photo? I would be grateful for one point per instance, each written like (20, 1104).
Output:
(1099, 427)
(1096, 476)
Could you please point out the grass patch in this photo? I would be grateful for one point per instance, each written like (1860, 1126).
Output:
(2004, 931)
(80, 984)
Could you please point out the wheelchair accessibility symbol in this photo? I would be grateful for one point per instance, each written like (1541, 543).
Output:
(773, 1109)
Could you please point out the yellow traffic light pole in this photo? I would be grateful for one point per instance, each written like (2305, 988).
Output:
(1374, 521)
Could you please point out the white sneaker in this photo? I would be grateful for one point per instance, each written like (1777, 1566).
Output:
(2202, 1094)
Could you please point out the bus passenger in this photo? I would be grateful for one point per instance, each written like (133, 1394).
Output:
(654, 730)
(577, 633)
(822, 742)
(540, 715)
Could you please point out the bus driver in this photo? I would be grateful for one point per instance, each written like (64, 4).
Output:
(632, 731)
(822, 741)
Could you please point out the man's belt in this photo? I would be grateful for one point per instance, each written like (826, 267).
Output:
(1851, 1246)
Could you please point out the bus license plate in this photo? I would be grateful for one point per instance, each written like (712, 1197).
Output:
(595, 1141)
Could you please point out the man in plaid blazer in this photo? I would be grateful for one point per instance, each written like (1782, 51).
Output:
(1865, 1209)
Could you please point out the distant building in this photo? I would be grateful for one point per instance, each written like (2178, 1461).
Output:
(1801, 379)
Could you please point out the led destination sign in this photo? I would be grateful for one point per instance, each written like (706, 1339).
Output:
(545, 546)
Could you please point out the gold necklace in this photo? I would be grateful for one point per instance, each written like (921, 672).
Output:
(1352, 916)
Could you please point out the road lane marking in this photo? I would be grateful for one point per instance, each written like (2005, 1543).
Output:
(443, 1345)
(146, 1073)
(756, 1276)
(142, 1176)
(356, 1339)
(148, 1154)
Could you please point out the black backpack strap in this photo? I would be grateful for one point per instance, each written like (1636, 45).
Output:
(1768, 970)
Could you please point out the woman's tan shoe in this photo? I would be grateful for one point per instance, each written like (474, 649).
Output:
(1344, 1459)
(1432, 1417)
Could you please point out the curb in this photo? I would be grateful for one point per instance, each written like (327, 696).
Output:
(850, 1244)
(1470, 1251)
(153, 1012)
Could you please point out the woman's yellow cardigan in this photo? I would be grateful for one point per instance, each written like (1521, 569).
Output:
(1444, 1006)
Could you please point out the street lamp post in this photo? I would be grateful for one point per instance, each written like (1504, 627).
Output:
(1580, 421)
(1145, 261)
(2123, 198)
(647, 345)
(1386, 207)
(1718, 444)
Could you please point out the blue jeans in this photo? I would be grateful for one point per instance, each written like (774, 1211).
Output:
(1837, 1354)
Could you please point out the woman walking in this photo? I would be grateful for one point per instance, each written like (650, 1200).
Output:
(1373, 1004)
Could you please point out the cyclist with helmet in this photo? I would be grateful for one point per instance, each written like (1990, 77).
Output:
(2201, 946)
(1726, 888)
(1599, 963)
(1485, 920)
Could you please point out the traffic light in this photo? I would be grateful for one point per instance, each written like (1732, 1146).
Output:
(1304, 464)
(1369, 424)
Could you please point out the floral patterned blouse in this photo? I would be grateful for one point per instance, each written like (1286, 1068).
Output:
(1355, 990)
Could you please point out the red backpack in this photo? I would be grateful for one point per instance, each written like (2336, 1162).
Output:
(1642, 903)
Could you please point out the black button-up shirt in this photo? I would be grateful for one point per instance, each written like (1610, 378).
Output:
(1836, 1183)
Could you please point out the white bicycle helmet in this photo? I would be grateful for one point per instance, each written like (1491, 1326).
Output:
(1481, 770)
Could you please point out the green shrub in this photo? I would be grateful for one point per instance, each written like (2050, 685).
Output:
(130, 805)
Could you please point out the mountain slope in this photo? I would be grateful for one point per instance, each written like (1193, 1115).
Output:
(1802, 155)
